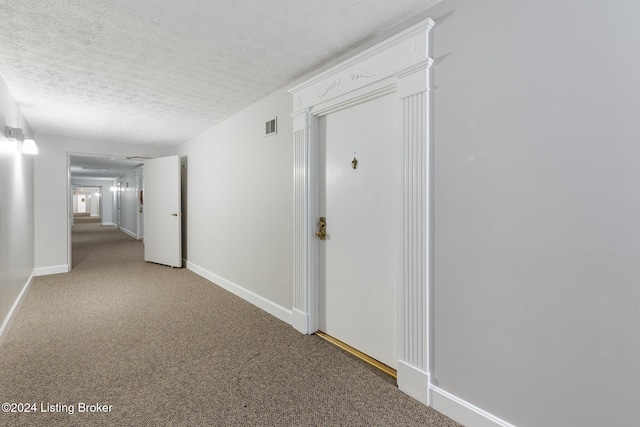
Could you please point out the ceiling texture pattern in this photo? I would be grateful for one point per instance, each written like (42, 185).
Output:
(160, 71)
(91, 167)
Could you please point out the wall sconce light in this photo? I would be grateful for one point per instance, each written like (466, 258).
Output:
(16, 136)
(29, 147)
(14, 133)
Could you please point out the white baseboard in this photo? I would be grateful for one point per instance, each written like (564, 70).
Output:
(413, 382)
(462, 411)
(108, 223)
(262, 303)
(299, 321)
(130, 233)
(14, 309)
(53, 269)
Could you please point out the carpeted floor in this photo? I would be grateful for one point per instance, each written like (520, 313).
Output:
(160, 346)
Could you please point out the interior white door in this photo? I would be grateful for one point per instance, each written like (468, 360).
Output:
(140, 206)
(118, 204)
(358, 271)
(162, 211)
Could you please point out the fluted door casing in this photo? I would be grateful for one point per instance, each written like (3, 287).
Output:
(413, 370)
(305, 246)
(413, 292)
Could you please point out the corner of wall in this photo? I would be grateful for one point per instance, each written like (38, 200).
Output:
(14, 309)
(270, 307)
(52, 269)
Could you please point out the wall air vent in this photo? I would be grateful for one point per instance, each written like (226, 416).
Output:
(271, 127)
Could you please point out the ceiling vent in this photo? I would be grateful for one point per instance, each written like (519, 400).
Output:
(271, 127)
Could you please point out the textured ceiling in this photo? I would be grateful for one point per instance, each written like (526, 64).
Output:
(101, 167)
(161, 71)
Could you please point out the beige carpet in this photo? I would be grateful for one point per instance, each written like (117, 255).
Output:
(162, 346)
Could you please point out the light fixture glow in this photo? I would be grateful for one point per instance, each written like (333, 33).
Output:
(29, 147)
(19, 143)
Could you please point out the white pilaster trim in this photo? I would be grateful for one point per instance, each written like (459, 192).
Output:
(305, 210)
(259, 301)
(414, 328)
(52, 269)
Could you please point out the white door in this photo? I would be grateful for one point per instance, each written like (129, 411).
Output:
(162, 211)
(82, 204)
(118, 203)
(140, 206)
(358, 271)
(95, 203)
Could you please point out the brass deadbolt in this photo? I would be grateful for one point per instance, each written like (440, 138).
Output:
(322, 229)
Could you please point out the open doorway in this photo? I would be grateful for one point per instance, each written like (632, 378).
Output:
(87, 204)
(104, 190)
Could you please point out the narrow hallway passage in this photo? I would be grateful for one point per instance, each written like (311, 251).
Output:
(151, 345)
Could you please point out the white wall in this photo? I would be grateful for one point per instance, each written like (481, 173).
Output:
(536, 263)
(16, 212)
(129, 193)
(240, 200)
(537, 243)
(95, 204)
(51, 198)
(537, 210)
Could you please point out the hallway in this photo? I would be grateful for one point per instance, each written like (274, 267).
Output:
(163, 346)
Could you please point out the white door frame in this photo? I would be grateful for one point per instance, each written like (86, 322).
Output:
(71, 154)
(400, 64)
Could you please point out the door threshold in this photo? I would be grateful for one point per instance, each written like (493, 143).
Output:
(360, 355)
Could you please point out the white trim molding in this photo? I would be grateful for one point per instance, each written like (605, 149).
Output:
(128, 232)
(14, 309)
(413, 382)
(400, 65)
(462, 411)
(53, 269)
(305, 244)
(264, 304)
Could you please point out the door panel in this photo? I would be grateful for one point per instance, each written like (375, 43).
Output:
(162, 211)
(358, 271)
